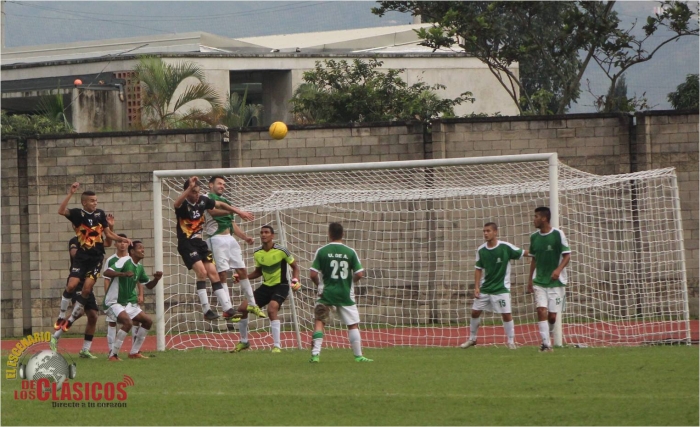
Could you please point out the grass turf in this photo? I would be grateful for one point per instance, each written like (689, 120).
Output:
(404, 386)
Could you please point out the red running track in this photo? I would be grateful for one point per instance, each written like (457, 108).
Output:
(596, 334)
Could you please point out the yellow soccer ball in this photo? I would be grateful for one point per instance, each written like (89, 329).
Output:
(278, 130)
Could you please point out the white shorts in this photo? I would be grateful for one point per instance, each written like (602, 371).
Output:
(349, 315)
(499, 303)
(227, 252)
(551, 298)
(132, 310)
(110, 317)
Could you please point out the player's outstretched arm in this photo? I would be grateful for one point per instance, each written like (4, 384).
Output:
(243, 214)
(241, 235)
(112, 235)
(218, 212)
(63, 209)
(156, 278)
(111, 273)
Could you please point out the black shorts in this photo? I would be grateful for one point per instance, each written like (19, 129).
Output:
(86, 266)
(264, 294)
(91, 301)
(193, 250)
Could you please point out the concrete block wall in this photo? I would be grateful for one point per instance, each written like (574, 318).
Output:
(311, 145)
(118, 166)
(671, 140)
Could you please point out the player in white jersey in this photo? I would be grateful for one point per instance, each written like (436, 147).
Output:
(111, 320)
(227, 252)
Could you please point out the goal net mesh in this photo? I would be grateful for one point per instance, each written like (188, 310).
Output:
(416, 231)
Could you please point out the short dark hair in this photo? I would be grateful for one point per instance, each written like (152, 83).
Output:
(545, 212)
(215, 177)
(269, 227)
(335, 230)
(87, 194)
(133, 245)
(122, 235)
(492, 225)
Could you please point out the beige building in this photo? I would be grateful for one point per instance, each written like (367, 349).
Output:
(271, 67)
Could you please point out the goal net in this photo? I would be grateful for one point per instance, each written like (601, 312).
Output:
(416, 227)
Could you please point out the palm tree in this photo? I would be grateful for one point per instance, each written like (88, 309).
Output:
(51, 106)
(160, 83)
(237, 113)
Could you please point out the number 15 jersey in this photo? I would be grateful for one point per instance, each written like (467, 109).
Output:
(336, 263)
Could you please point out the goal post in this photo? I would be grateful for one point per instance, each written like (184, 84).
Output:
(408, 216)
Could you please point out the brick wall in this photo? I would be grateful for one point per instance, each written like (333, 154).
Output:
(118, 166)
(672, 141)
(310, 145)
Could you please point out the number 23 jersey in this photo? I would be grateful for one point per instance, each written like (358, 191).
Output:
(337, 263)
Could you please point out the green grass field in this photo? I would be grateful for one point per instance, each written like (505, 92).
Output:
(404, 386)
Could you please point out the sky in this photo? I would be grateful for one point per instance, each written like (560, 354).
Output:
(34, 23)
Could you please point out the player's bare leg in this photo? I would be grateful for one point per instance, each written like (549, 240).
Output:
(473, 329)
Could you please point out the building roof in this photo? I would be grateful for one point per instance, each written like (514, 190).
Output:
(400, 39)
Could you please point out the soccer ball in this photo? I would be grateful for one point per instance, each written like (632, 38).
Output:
(278, 130)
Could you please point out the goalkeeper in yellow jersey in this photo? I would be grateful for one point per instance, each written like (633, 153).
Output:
(271, 261)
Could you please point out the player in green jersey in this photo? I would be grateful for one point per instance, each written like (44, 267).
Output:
(551, 254)
(122, 296)
(335, 270)
(218, 226)
(271, 261)
(492, 283)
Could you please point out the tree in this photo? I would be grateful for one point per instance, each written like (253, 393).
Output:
(553, 42)
(161, 82)
(237, 113)
(616, 101)
(342, 92)
(622, 50)
(23, 126)
(52, 107)
(686, 94)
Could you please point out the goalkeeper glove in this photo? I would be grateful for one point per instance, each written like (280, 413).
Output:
(295, 284)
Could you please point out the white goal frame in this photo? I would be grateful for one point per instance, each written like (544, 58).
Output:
(552, 159)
